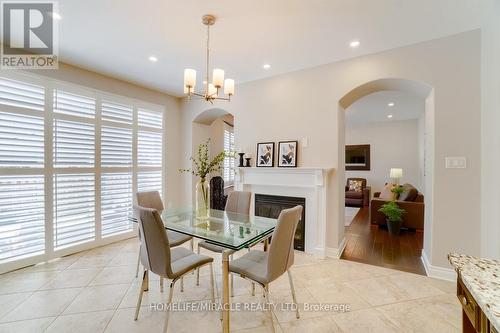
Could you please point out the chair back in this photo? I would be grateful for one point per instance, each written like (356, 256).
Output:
(239, 202)
(150, 199)
(281, 250)
(363, 181)
(155, 248)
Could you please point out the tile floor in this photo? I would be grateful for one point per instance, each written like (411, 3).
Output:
(96, 291)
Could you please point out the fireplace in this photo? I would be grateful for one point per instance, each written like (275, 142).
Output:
(271, 206)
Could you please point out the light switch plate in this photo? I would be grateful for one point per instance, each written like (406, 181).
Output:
(459, 162)
(304, 142)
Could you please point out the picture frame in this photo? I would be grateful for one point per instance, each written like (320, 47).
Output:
(265, 155)
(287, 154)
(357, 157)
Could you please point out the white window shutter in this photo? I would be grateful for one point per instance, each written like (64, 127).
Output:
(116, 203)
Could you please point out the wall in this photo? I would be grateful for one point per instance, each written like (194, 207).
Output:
(101, 82)
(392, 144)
(421, 151)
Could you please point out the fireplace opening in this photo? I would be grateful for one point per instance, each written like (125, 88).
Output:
(272, 205)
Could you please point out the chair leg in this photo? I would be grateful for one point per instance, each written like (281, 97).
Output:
(198, 270)
(182, 284)
(253, 289)
(161, 284)
(146, 282)
(141, 292)
(170, 294)
(212, 283)
(191, 245)
(297, 315)
(232, 280)
(138, 263)
(268, 300)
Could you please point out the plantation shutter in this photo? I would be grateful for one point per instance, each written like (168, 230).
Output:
(116, 147)
(229, 163)
(149, 181)
(116, 202)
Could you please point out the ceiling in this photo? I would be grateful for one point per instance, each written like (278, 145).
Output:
(116, 37)
(375, 108)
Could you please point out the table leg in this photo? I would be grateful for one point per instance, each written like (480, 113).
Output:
(225, 292)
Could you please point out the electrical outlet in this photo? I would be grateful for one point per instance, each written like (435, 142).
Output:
(459, 162)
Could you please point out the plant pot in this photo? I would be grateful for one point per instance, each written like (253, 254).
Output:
(394, 226)
(202, 199)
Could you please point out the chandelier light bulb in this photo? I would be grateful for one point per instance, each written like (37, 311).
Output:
(229, 87)
(189, 78)
(212, 91)
(218, 77)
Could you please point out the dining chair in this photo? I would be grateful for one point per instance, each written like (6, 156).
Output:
(265, 267)
(237, 202)
(160, 258)
(152, 199)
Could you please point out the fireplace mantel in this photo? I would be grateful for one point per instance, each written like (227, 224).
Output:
(306, 182)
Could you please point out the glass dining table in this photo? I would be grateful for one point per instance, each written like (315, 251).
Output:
(232, 231)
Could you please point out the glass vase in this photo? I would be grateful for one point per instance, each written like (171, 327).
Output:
(202, 199)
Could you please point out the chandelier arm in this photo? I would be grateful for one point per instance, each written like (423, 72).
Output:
(208, 59)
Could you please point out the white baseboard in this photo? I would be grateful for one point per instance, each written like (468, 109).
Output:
(437, 272)
(334, 252)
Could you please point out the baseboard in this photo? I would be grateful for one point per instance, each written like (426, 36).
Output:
(333, 252)
(437, 272)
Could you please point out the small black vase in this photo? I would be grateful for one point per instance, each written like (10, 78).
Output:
(394, 227)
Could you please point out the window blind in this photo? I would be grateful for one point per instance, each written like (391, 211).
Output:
(149, 181)
(149, 148)
(116, 202)
(117, 112)
(229, 162)
(22, 216)
(149, 118)
(73, 144)
(116, 147)
(23, 95)
(71, 104)
(21, 140)
(74, 209)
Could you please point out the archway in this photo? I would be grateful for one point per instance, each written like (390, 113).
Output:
(418, 89)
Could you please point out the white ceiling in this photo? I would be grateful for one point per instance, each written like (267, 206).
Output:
(116, 37)
(375, 108)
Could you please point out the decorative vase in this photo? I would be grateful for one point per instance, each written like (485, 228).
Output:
(394, 227)
(202, 199)
(241, 160)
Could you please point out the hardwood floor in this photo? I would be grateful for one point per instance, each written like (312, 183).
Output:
(370, 244)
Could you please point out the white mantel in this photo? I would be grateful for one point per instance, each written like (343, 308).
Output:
(309, 183)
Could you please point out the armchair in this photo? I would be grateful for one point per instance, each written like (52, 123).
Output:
(357, 198)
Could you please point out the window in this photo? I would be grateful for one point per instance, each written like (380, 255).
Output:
(229, 161)
(69, 166)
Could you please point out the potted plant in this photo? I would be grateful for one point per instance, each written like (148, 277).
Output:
(393, 213)
(202, 167)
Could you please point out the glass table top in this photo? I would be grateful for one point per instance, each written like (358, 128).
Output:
(230, 230)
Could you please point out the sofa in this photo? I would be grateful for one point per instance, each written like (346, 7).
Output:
(357, 198)
(413, 204)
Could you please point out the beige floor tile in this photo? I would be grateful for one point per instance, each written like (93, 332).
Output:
(58, 264)
(91, 261)
(124, 259)
(72, 278)
(363, 321)
(44, 303)
(338, 293)
(115, 275)
(414, 317)
(445, 306)
(27, 326)
(22, 282)
(94, 322)
(96, 298)
(261, 329)
(250, 319)
(378, 291)
(10, 301)
(317, 325)
(414, 286)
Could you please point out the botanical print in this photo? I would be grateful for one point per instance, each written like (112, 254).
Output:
(287, 154)
(265, 154)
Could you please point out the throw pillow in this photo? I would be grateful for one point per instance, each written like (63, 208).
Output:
(386, 193)
(355, 185)
(409, 193)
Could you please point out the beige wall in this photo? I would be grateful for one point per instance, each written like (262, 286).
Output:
(393, 144)
(304, 104)
(100, 82)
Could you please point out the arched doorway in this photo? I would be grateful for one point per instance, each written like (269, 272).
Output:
(419, 90)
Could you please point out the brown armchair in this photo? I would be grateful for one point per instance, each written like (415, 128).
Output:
(415, 209)
(357, 198)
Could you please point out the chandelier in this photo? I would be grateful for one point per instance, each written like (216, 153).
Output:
(212, 89)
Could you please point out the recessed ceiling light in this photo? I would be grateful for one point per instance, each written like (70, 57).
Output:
(389, 116)
(354, 43)
(56, 16)
(391, 104)
(153, 59)
(266, 66)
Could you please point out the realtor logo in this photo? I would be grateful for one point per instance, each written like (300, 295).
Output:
(29, 34)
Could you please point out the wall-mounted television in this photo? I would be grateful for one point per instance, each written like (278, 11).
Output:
(357, 157)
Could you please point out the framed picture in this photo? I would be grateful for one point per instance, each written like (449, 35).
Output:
(287, 154)
(265, 154)
(357, 157)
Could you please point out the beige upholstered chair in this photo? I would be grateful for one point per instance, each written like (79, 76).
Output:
(152, 199)
(158, 257)
(265, 267)
(237, 202)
